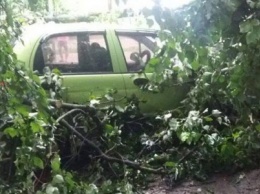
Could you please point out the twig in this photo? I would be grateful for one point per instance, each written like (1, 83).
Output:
(110, 149)
(68, 113)
(70, 105)
(134, 165)
(91, 110)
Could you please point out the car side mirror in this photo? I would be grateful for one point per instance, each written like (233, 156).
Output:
(135, 57)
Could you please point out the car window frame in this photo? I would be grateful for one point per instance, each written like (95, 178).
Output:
(151, 33)
(48, 36)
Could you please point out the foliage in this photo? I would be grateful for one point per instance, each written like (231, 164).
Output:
(214, 43)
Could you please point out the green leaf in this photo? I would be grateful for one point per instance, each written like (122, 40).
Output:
(55, 164)
(191, 55)
(194, 137)
(184, 136)
(255, 22)
(11, 132)
(252, 37)
(57, 179)
(69, 179)
(171, 52)
(174, 124)
(109, 129)
(216, 113)
(208, 119)
(203, 52)
(195, 65)
(36, 78)
(51, 189)
(245, 27)
(35, 127)
(236, 135)
(56, 71)
(23, 110)
(181, 56)
(153, 62)
(258, 127)
(38, 162)
(170, 164)
(227, 151)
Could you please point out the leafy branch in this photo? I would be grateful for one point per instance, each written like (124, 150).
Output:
(61, 120)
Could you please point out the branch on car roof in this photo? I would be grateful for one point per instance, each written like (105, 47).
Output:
(132, 164)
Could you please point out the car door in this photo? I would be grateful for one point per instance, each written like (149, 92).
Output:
(86, 62)
(137, 45)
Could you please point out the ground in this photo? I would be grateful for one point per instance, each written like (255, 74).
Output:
(245, 182)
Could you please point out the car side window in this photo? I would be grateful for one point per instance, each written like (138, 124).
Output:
(93, 53)
(61, 52)
(138, 49)
(76, 53)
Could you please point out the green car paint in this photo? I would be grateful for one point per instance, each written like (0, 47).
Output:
(81, 87)
(95, 86)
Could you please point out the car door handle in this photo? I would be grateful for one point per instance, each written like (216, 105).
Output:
(140, 81)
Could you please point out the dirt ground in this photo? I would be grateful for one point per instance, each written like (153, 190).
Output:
(241, 183)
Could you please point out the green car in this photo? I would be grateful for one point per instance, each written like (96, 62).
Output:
(96, 59)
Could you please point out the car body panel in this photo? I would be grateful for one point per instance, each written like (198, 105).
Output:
(155, 101)
(83, 88)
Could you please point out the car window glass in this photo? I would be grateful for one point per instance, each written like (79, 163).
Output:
(94, 54)
(137, 49)
(61, 52)
(77, 53)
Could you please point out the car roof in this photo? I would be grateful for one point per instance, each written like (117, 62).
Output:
(40, 30)
(54, 28)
